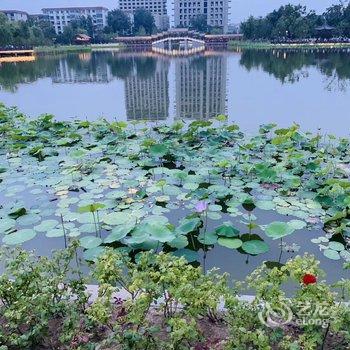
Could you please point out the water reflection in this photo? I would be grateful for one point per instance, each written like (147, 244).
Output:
(147, 90)
(200, 87)
(84, 68)
(289, 66)
(148, 86)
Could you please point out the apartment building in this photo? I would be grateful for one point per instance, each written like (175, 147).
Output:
(216, 12)
(158, 8)
(15, 15)
(61, 17)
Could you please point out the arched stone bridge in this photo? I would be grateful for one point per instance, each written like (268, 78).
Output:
(186, 39)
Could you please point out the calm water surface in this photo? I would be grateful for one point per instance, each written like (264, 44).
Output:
(311, 88)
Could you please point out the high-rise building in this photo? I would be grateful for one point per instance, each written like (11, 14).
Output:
(15, 15)
(147, 93)
(158, 8)
(200, 87)
(216, 12)
(61, 17)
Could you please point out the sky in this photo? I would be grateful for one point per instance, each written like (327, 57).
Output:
(240, 9)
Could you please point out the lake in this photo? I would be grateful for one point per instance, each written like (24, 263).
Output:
(311, 88)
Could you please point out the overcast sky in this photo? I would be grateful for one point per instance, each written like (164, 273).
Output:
(240, 9)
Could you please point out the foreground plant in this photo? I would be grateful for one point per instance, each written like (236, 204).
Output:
(160, 302)
(158, 285)
(309, 319)
(36, 293)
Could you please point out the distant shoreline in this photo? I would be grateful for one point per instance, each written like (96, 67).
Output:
(267, 45)
(76, 48)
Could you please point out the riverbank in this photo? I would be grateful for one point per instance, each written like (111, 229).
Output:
(76, 48)
(233, 45)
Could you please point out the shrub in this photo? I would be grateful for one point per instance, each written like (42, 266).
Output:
(44, 304)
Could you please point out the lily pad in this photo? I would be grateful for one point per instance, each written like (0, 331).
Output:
(19, 237)
(278, 229)
(46, 225)
(116, 218)
(227, 230)
(90, 242)
(179, 242)
(336, 246)
(188, 254)
(255, 247)
(232, 243)
(331, 254)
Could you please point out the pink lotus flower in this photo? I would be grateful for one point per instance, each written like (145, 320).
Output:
(201, 206)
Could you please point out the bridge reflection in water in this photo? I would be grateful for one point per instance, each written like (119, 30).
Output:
(178, 46)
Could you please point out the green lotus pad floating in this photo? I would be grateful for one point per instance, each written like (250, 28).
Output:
(227, 230)
(19, 237)
(136, 188)
(278, 229)
(90, 242)
(255, 247)
(232, 243)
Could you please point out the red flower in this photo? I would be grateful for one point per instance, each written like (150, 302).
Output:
(309, 279)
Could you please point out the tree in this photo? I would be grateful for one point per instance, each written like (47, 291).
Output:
(119, 22)
(68, 35)
(199, 23)
(289, 21)
(145, 19)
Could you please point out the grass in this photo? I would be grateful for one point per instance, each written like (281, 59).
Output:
(74, 48)
(267, 45)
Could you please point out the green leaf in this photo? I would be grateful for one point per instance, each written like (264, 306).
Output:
(188, 254)
(158, 150)
(232, 243)
(336, 246)
(91, 208)
(93, 253)
(116, 218)
(208, 238)
(159, 232)
(6, 224)
(19, 237)
(188, 225)
(179, 242)
(278, 229)
(297, 224)
(255, 247)
(265, 205)
(46, 225)
(90, 242)
(118, 233)
(331, 254)
(227, 230)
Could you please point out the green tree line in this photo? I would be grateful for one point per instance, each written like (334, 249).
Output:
(36, 32)
(296, 22)
(32, 32)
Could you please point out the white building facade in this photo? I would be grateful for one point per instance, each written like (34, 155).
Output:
(216, 12)
(15, 16)
(61, 17)
(158, 8)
